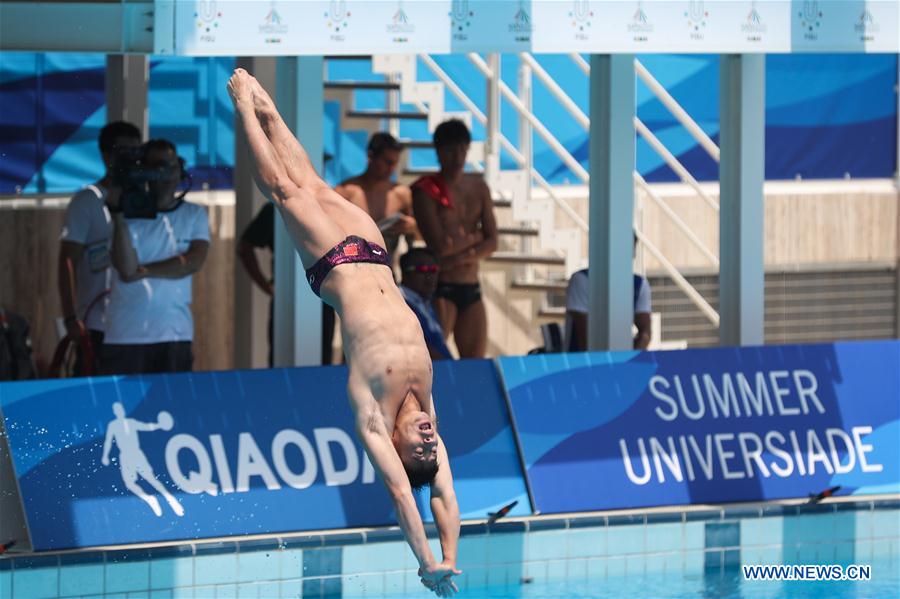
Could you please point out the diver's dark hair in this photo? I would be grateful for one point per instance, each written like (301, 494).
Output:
(421, 474)
(450, 133)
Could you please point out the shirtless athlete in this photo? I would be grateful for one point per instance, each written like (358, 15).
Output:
(455, 214)
(389, 383)
(378, 195)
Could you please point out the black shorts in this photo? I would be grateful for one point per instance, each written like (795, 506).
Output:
(174, 356)
(462, 295)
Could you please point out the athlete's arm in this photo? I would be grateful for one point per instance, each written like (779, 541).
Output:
(489, 229)
(429, 223)
(145, 426)
(70, 254)
(444, 507)
(377, 443)
(124, 257)
(489, 233)
(180, 266)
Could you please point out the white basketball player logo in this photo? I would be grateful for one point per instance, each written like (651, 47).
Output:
(132, 461)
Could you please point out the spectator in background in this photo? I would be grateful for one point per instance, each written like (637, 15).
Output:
(388, 203)
(420, 274)
(455, 214)
(577, 307)
(260, 234)
(83, 265)
(149, 323)
(16, 362)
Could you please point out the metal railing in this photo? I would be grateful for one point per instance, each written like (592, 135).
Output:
(505, 144)
(499, 91)
(670, 159)
(675, 108)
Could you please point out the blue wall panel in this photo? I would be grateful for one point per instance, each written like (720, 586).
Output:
(634, 429)
(219, 462)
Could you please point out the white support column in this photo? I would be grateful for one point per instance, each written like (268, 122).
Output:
(393, 106)
(741, 219)
(298, 312)
(612, 161)
(492, 150)
(251, 305)
(127, 78)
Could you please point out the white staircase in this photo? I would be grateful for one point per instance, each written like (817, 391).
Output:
(530, 218)
(542, 236)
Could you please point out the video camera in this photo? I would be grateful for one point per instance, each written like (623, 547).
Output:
(134, 175)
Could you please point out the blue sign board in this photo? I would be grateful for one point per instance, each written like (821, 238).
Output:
(632, 429)
(119, 460)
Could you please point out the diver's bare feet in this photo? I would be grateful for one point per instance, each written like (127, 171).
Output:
(262, 101)
(240, 88)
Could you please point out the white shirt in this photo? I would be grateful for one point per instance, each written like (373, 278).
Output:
(88, 223)
(154, 310)
(577, 298)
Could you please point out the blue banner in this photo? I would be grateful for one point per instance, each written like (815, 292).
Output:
(633, 429)
(119, 460)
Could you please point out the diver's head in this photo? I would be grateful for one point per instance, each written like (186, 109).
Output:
(416, 442)
(118, 410)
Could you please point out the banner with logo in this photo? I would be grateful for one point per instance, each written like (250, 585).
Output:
(663, 26)
(636, 429)
(322, 27)
(491, 25)
(310, 27)
(135, 459)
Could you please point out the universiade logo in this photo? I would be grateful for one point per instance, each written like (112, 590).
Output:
(337, 18)
(866, 26)
(696, 16)
(400, 23)
(521, 23)
(640, 24)
(810, 19)
(753, 24)
(581, 17)
(273, 26)
(213, 474)
(461, 16)
(207, 18)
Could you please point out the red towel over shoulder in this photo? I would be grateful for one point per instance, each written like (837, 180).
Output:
(436, 188)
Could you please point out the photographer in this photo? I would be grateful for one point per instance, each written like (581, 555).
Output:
(159, 241)
(83, 273)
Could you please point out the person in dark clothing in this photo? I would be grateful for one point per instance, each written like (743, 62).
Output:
(420, 274)
(16, 363)
(260, 234)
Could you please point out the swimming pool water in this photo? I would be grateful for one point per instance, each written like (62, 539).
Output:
(677, 555)
(885, 583)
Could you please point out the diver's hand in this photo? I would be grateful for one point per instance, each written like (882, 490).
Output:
(439, 578)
